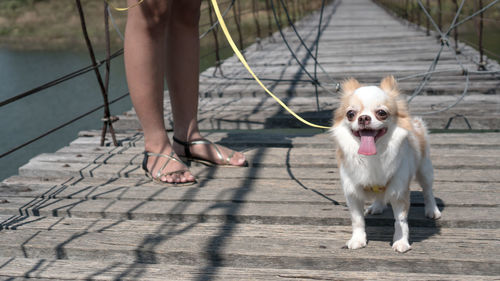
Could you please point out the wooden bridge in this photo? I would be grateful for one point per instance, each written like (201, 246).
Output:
(87, 212)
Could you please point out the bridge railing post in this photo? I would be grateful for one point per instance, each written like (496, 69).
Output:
(479, 26)
(255, 13)
(427, 21)
(108, 119)
(455, 30)
(216, 42)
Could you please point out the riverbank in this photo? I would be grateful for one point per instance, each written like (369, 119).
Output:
(53, 25)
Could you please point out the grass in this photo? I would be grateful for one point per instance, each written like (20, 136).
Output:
(55, 24)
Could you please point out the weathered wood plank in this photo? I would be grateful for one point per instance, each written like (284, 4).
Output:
(292, 157)
(270, 138)
(264, 213)
(41, 169)
(320, 253)
(256, 191)
(100, 225)
(39, 269)
(480, 113)
(19, 184)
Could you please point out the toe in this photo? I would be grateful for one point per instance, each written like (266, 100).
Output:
(189, 177)
(238, 159)
(168, 179)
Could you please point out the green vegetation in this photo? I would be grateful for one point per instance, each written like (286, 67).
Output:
(52, 24)
(55, 24)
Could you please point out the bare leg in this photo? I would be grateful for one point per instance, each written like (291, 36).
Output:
(144, 48)
(182, 63)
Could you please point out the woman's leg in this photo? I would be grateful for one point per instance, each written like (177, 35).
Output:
(144, 49)
(182, 68)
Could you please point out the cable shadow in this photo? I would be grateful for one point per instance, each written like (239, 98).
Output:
(217, 243)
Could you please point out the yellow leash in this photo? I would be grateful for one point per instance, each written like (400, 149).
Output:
(124, 9)
(244, 62)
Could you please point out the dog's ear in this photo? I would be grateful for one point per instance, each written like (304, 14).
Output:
(349, 86)
(390, 86)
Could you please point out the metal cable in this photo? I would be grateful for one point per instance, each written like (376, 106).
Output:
(316, 42)
(60, 126)
(474, 14)
(318, 35)
(444, 41)
(464, 93)
(293, 53)
(427, 76)
(114, 24)
(59, 80)
(216, 23)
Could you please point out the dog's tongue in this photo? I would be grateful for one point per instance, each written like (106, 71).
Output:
(367, 146)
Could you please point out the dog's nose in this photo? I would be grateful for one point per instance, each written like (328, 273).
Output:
(364, 120)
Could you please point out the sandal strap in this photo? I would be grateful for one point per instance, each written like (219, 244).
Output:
(170, 157)
(188, 144)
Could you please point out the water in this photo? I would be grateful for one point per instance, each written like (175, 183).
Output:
(30, 117)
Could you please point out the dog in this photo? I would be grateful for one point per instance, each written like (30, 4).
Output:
(380, 148)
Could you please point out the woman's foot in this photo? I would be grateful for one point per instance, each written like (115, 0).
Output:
(164, 165)
(199, 149)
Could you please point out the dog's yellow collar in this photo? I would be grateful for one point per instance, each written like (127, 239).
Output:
(375, 188)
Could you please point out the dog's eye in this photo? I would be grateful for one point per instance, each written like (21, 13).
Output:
(350, 115)
(381, 114)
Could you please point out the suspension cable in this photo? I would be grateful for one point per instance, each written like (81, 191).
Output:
(316, 42)
(61, 126)
(244, 62)
(293, 53)
(59, 80)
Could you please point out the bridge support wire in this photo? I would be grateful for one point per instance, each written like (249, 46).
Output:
(444, 38)
(104, 86)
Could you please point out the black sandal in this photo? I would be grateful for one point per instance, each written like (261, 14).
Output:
(159, 175)
(189, 157)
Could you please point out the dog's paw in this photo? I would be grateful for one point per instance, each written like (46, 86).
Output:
(432, 212)
(375, 209)
(356, 242)
(401, 246)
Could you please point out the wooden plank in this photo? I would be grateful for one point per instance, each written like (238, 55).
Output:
(292, 157)
(257, 191)
(36, 168)
(39, 269)
(316, 139)
(259, 213)
(111, 226)
(235, 122)
(19, 185)
(469, 156)
(251, 251)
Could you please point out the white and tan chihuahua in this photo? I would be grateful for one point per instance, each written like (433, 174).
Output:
(380, 148)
